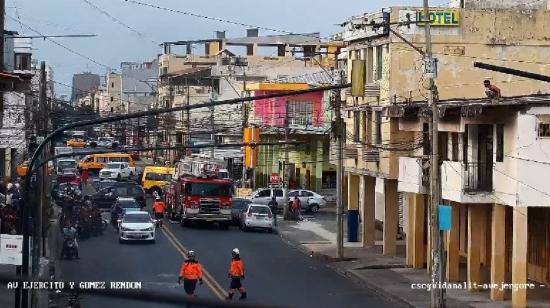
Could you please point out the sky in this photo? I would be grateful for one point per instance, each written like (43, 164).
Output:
(117, 43)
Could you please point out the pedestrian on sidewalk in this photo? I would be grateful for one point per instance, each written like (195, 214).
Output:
(296, 204)
(236, 273)
(190, 272)
(274, 208)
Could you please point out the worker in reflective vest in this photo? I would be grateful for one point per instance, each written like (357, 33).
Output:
(190, 272)
(236, 273)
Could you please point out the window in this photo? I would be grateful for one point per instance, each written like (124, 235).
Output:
(544, 130)
(300, 113)
(158, 177)
(500, 143)
(207, 189)
(356, 125)
(112, 100)
(112, 84)
(22, 61)
(379, 62)
(264, 193)
(278, 192)
(364, 127)
(101, 159)
(293, 193)
(306, 193)
(378, 123)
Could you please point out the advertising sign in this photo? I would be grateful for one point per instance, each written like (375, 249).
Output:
(11, 249)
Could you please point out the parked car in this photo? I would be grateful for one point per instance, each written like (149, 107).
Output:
(309, 201)
(238, 205)
(117, 171)
(136, 226)
(105, 197)
(264, 195)
(257, 216)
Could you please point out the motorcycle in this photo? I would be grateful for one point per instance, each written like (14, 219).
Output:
(69, 249)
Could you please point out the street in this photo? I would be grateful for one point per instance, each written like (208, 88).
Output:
(276, 273)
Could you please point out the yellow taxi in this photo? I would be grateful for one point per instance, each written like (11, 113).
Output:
(76, 143)
(154, 178)
(23, 168)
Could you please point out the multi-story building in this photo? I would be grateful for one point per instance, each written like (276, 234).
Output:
(84, 84)
(382, 149)
(222, 71)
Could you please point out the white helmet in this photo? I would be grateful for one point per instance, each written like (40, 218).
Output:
(17, 185)
(236, 251)
(10, 185)
(191, 254)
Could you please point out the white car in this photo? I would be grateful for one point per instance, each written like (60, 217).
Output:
(257, 216)
(105, 142)
(136, 226)
(116, 171)
(309, 200)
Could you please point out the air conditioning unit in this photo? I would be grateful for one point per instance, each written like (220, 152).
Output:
(371, 155)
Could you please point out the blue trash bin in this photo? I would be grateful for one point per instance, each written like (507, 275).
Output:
(353, 225)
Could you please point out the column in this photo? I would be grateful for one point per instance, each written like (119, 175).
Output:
(474, 245)
(453, 239)
(519, 256)
(319, 162)
(498, 250)
(353, 192)
(390, 217)
(415, 231)
(367, 204)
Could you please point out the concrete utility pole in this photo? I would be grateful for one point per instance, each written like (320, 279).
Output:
(339, 168)
(286, 172)
(436, 237)
(244, 124)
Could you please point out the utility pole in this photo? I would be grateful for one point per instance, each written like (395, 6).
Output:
(188, 122)
(244, 124)
(436, 237)
(286, 172)
(338, 132)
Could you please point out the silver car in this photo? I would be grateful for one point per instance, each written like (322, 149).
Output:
(257, 216)
(309, 201)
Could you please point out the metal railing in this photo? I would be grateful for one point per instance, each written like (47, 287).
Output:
(478, 177)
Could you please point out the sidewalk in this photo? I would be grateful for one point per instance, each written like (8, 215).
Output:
(388, 276)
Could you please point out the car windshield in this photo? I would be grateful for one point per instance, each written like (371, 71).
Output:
(66, 164)
(128, 204)
(137, 218)
(113, 166)
(240, 203)
(158, 176)
(130, 191)
(259, 210)
(208, 189)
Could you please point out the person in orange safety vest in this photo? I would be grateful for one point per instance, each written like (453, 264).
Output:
(158, 210)
(236, 273)
(190, 272)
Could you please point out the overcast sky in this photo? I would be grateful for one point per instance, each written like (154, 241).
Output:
(116, 43)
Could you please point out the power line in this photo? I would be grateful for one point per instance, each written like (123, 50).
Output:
(116, 20)
(61, 45)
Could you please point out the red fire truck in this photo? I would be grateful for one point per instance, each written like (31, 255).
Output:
(199, 199)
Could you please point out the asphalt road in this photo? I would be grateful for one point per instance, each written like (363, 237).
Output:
(276, 273)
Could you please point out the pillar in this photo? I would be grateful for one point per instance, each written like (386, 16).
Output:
(353, 192)
(367, 204)
(415, 231)
(519, 256)
(498, 250)
(453, 242)
(474, 245)
(390, 217)
(319, 162)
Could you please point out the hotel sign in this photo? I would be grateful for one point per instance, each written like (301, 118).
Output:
(441, 17)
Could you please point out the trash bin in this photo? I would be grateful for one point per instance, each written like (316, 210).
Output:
(353, 225)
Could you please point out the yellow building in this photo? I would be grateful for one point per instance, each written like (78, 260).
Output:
(376, 136)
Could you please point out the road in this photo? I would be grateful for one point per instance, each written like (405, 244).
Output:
(276, 272)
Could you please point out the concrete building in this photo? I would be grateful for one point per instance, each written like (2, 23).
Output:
(83, 84)
(225, 66)
(378, 146)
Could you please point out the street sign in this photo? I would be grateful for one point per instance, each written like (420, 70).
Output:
(275, 178)
(11, 249)
(444, 212)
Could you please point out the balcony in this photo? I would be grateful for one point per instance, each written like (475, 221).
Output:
(413, 175)
(467, 182)
(371, 90)
(478, 177)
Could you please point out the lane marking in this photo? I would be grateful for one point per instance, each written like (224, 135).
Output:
(212, 284)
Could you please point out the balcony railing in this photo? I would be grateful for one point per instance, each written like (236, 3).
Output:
(478, 176)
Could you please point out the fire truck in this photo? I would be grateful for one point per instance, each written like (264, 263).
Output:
(203, 198)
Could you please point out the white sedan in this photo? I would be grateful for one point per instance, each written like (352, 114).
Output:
(309, 200)
(136, 226)
(116, 171)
